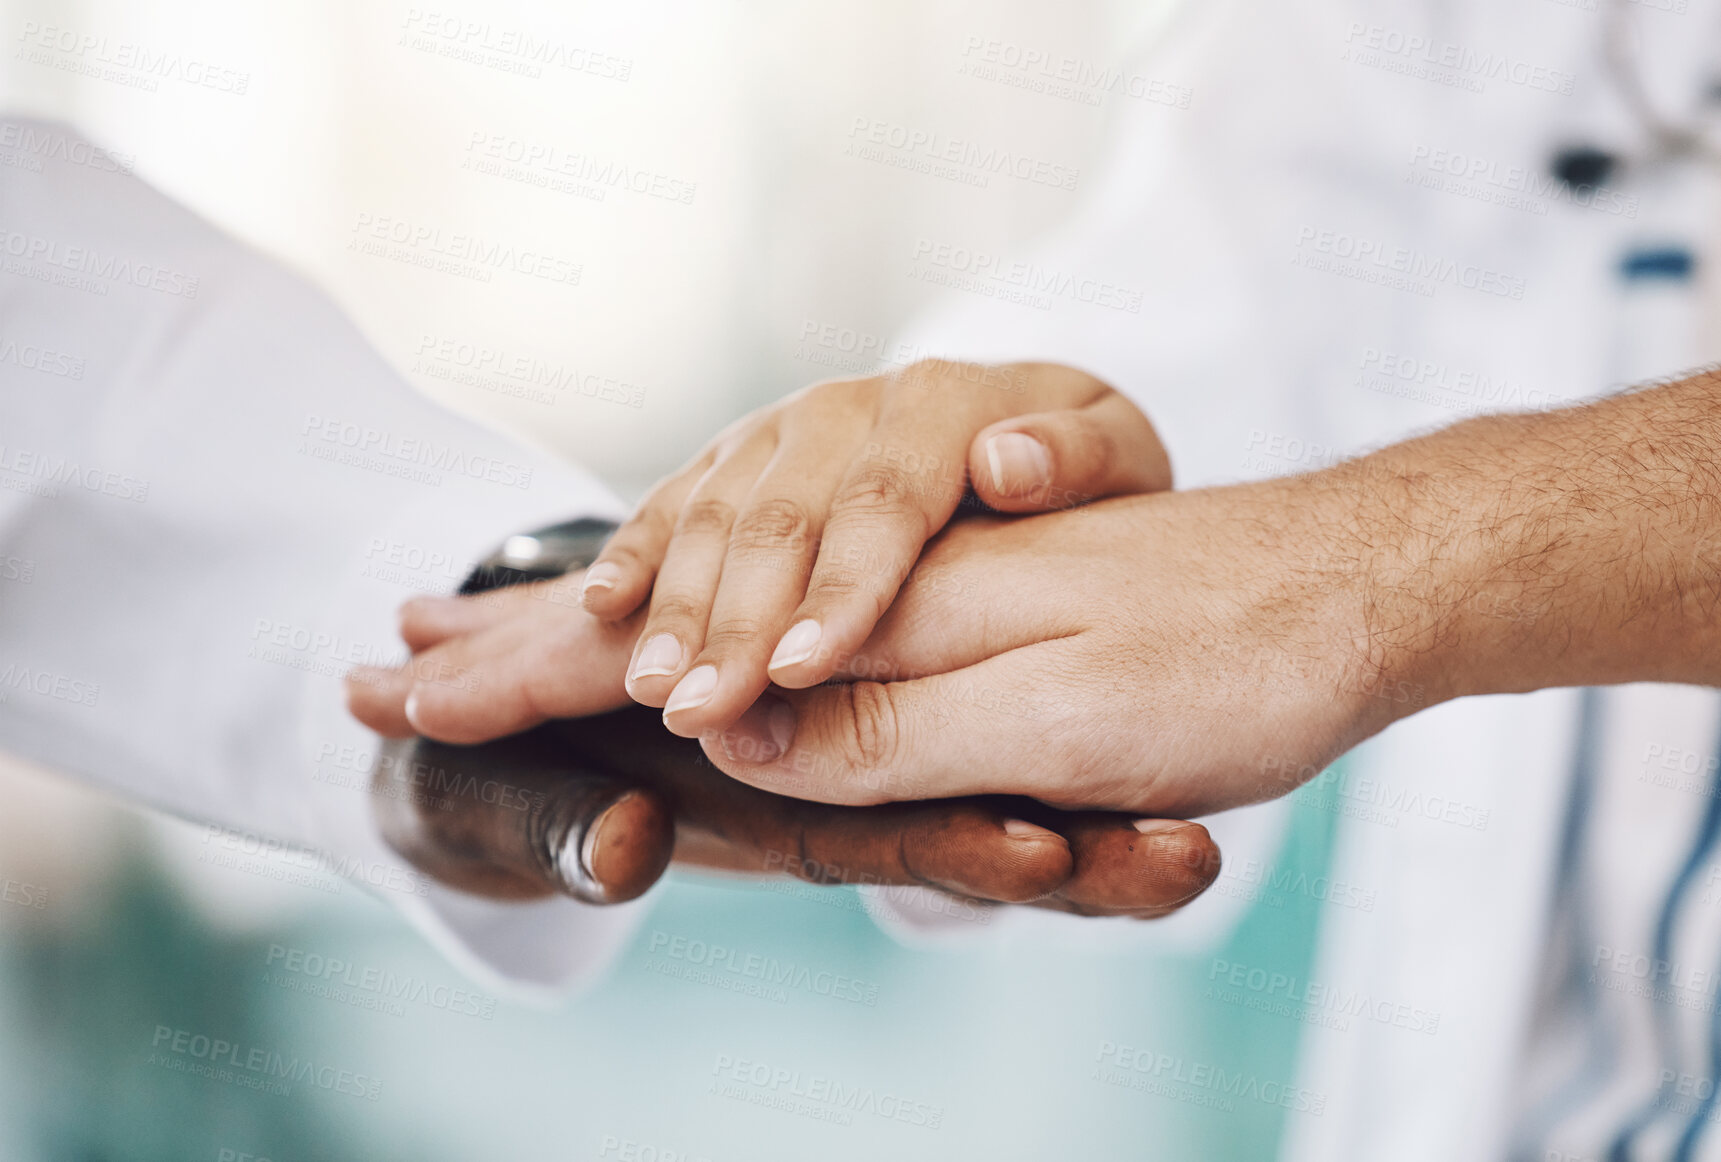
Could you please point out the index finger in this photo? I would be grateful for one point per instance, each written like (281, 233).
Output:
(906, 486)
(983, 728)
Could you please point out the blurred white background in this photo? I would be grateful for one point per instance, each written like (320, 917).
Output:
(357, 125)
(358, 153)
(356, 113)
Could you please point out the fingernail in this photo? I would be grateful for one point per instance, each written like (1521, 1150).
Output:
(1020, 464)
(660, 656)
(577, 858)
(1022, 829)
(694, 690)
(411, 711)
(797, 645)
(763, 734)
(1155, 826)
(616, 853)
(603, 575)
(588, 848)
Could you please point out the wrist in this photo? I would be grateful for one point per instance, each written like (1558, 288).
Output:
(1516, 552)
(1372, 537)
(1454, 533)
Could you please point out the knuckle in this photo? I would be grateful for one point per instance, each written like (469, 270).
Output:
(706, 516)
(836, 583)
(879, 490)
(873, 725)
(775, 525)
(844, 584)
(675, 609)
(733, 635)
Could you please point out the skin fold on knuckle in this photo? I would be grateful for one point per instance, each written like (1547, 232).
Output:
(869, 732)
(841, 586)
(773, 528)
(705, 517)
(966, 853)
(882, 493)
(675, 612)
(733, 636)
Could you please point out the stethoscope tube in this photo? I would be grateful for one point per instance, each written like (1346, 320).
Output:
(1668, 139)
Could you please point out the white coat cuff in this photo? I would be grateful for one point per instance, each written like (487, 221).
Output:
(539, 947)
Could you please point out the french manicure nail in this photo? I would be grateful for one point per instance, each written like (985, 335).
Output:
(797, 645)
(1157, 826)
(1022, 829)
(1019, 463)
(603, 575)
(693, 690)
(660, 656)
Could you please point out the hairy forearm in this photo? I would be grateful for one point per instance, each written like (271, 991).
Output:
(1575, 547)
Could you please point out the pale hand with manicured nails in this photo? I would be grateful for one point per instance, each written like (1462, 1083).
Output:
(600, 578)
(777, 549)
(773, 554)
(659, 656)
(799, 644)
(693, 690)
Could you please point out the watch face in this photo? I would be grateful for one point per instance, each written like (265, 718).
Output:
(545, 552)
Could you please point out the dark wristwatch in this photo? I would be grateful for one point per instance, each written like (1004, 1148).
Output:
(536, 556)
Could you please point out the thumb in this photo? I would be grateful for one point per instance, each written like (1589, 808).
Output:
(1060, 459)
(518, 820)
(981, 729)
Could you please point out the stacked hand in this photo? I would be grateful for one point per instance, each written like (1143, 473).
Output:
(1163, 655)
(596, 808)
(824, 500)
(1167, 655)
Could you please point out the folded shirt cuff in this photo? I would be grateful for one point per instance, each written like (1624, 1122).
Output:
(540, 947)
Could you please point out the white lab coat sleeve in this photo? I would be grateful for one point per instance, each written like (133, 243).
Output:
(213, 497)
